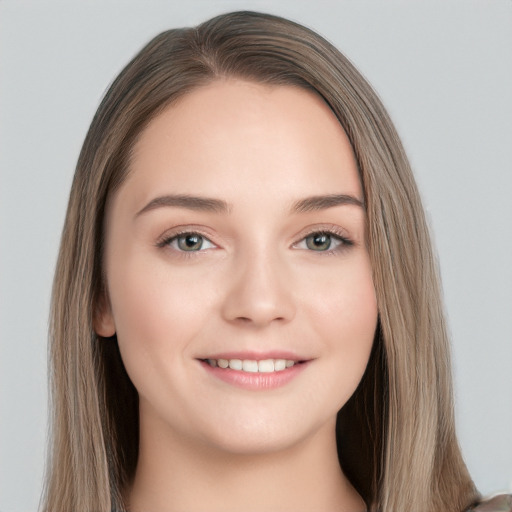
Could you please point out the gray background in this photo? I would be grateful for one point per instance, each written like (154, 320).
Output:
(443, 69)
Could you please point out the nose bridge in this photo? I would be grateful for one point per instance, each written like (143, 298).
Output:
(260, 290)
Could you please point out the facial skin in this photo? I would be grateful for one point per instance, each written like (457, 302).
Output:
(259, 279)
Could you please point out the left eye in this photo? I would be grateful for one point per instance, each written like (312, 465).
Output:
(190, 242)
(320, 242)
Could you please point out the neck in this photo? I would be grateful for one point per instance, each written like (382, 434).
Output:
(175, 473)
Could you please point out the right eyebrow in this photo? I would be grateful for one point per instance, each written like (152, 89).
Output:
(197, 203)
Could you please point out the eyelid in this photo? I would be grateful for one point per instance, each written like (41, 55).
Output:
(335, 231)
(174, 233)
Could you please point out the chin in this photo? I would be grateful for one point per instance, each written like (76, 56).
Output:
(254, 444)
(257, 437)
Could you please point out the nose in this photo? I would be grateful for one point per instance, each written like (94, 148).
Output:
(259, 292)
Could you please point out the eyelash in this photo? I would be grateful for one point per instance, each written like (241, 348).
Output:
(336, 234)
(167, 240)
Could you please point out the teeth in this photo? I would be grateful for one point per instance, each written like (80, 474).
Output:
(250, 366)
(235, 364)
(266, 366)
(253, 366)
(281, 364)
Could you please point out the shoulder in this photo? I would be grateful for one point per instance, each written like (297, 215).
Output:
(499, 503)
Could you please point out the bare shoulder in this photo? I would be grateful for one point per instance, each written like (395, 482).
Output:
(499, 503)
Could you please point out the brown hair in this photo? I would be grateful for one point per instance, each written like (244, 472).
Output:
(396, 435)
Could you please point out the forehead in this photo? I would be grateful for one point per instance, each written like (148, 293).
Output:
(234, 136)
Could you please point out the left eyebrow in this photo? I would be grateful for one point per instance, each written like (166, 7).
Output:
(315, 203)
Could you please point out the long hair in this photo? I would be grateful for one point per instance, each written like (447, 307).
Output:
(396, 436)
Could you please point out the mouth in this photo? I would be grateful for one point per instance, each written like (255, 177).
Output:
(253, 365)
(259, 373)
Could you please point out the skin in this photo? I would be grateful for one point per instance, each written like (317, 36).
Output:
(255, 284)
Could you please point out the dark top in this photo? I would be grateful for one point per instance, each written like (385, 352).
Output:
(500, 503)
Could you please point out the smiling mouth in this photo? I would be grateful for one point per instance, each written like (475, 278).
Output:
(252, 365)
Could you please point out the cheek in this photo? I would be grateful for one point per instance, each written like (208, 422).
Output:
(157, 315)
(346, 319)
(344, 302)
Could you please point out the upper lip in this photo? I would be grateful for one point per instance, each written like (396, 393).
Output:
(256, 355)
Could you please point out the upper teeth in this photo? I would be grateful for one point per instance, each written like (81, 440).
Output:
(251, 365)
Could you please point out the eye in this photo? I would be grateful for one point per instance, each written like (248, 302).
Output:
(189, 242)
(319, 241)
(323, 241)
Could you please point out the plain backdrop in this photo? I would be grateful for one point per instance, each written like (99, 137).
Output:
(444, 71)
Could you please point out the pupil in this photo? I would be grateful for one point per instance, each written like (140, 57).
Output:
(319, 242)
(190, 242)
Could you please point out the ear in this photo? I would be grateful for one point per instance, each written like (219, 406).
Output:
(103, 321)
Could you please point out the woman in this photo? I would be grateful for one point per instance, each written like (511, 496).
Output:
(245, 254)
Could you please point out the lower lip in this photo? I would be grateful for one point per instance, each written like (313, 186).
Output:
(255, 381)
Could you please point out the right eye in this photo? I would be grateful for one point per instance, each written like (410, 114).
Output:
(189, 242)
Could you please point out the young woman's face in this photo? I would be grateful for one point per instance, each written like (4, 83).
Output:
(238, 240)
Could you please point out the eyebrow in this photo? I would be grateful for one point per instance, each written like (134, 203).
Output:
(208, 204)
(315, 203)
(202, 204)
